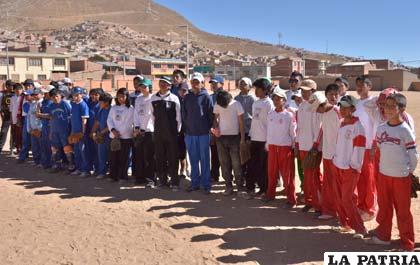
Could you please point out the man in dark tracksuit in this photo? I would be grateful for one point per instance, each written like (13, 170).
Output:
(5, 113)
(167, 116)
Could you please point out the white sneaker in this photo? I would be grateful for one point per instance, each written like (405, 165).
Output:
(325, 217)
(358, 236)
(376, 241)
(100, 176)
(75, 173)
(366, 217)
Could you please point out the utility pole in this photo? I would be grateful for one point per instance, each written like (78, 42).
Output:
(7, 59)
(188, 48)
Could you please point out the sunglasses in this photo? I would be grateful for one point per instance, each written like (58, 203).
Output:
(293, 81)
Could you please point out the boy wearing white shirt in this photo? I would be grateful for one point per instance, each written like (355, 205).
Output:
(281, 134)
(308, 125)
(120, 125)
(258, 133)
(348, 161)
(366, 187)
(228, 127)
(397, 162)
(143, 134)
(330, 120)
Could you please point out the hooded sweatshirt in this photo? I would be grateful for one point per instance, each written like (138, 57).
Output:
(197, 113)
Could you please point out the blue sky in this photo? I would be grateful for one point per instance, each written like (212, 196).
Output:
(369, 28)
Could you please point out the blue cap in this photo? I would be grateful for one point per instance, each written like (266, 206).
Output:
(217, 79)
(28, 92)
(77, 90)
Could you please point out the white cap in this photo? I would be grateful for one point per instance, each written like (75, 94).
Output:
(197, 76)
(37, 85)
(67, 80)
(279, 92)
(316, 99)
(246, 80)
(47, 89)
(139, 77)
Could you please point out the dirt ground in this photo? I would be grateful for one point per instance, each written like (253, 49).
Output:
(61, 219)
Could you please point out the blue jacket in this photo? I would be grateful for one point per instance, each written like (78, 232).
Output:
(197, 113)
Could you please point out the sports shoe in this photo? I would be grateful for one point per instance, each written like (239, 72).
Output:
(359, 235)
(376, 241)
(75, 173)
(325, 217)
(100, 176)
(228, 192)
(84, 175)
(306, 208)
(342, 229)
(191, 188)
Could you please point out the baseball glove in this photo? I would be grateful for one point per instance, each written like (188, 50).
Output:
(415, 186)
(36, 133)
(99, 138)
(115, 145)
(312, 159)
(74, 138)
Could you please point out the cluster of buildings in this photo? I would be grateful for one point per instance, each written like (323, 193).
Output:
(45, 64)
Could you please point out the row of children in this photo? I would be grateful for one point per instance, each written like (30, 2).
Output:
(367, 146)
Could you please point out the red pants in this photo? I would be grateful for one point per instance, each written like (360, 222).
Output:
(312, 183)
(347, 199)
(17, 136)
(366, 187)
(328, 197)
(281, 159)
(394, 192)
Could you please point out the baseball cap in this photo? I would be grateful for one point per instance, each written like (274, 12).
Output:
(308, 84)
(77, 90)
(28, 82)
(139, 77)
(166, 80)
(198, 76)
(28, 92)
(37, 91)
(347, 101)
(386, 92)
(146, 82)
(47, 89)
(246, 80)
(67, 80)
(296, 94)
(279, 92)
(217, 79)
(316, 99)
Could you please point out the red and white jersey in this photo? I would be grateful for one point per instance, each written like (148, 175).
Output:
(281, 128)
(330, 123)
(350, 148)
(367, 122)
(308, 125)
(397, 146)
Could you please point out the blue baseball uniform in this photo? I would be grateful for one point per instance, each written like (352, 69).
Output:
(45, 136)
(79, 111)
(103, 149)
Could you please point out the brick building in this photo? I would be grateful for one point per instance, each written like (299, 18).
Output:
(158, 67)
(284, 67)
(314, 67)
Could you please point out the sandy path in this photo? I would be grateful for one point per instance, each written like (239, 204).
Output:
(59, 219)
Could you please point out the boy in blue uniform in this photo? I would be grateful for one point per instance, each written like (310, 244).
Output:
(26, 137)
(91, 147)
(45, 133)
(79, 116)
(59, 114)
(101, 128)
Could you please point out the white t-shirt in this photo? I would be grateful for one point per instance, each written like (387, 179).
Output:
(330, 124)
(143, 113)
(308, 125)
(14, 108)
(397, 146)
(228, 117)
(281, 128)
(121, 118)
(367, 123)
(260, 110)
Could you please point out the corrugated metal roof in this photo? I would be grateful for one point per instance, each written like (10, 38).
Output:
(355, 64)
(162, 60)
(35, 54)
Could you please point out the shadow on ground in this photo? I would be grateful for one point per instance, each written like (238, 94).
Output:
(268, 233)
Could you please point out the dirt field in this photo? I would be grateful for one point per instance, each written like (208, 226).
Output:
(61, 219)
